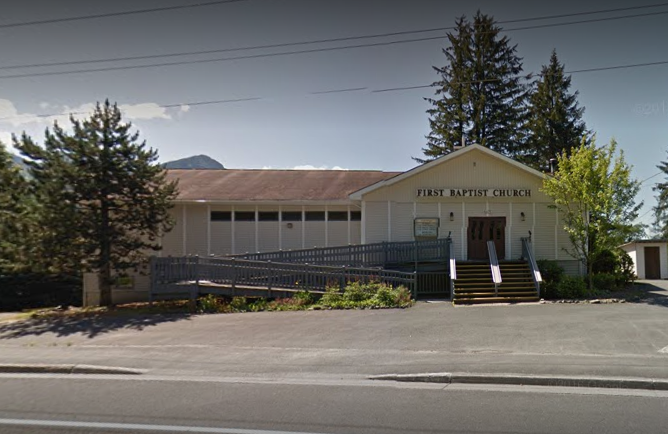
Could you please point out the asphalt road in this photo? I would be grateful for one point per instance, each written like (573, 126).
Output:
(152, 404)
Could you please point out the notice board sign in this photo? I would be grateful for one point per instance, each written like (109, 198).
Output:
(426, 228)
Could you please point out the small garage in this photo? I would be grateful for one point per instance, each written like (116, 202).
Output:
(650, 258)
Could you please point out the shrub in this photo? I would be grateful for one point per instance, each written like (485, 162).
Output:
(212, 304)
(604, 282)
(625, 273)
(259, 305)
(239, 304)
(571, 287)
(552, 273)
(357, 295)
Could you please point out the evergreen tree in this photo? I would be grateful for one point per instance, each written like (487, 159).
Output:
(104, 199)
(480, 96)
(661, 209)
(555, 119)
(14, 214)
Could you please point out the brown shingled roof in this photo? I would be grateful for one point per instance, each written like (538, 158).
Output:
(273, 185)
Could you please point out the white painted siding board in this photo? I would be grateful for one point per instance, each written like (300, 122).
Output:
(376, 222)
(244, 237)
(172, 242)
(338, 233)
(402, 222)
(196, 231)
(268, 236)
(520, 229)
(221, 241)
(355, 232)
(314, 233)
(543, 233)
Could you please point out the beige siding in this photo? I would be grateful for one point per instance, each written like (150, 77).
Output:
(197, 220)
(402, 221)
(268, 236)
(314, 234)
(543, 238)
(172, 242)
(519, 229)
(571, 267)
(355, 232)
(221, 238)
(337, 233)
(244, 237)
(471, 170)
(292, 237)
(375, 220)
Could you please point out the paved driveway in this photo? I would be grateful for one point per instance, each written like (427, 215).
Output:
(630, 338)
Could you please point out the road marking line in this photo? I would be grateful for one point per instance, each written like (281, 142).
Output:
(139, 427)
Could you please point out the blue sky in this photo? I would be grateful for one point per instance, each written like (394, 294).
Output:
(290, 124)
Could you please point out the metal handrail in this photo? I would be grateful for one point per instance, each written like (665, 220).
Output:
(527, 253)
(376, 254)
(452, 266)
(494, 266)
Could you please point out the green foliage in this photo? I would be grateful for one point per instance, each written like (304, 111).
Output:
(16, 217)
(551, 272)
(212, 304)
(480, 96)
(604, 282)
(239, 304)
(571, 287)
(625, 272)
(555, 120)
(357, 295)
(660, 225)
(594, 191)
(103, 198)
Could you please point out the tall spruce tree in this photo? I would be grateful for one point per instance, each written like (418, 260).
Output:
(660, 225)
(480, 97)
(104, 199)
(555, 119)
(14, 214)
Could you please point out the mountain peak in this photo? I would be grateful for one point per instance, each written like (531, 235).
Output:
(194, 162)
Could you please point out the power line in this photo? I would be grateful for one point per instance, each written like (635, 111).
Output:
(116, 14)
(357, 89)
(276, 54)
(323, 41)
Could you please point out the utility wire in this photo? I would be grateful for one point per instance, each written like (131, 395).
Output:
(116, 14)
(358, 89)
(331, 40)
(276, 54)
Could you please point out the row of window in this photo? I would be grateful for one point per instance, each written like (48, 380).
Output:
(286, 216)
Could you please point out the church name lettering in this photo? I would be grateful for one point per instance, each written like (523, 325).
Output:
(472, 192)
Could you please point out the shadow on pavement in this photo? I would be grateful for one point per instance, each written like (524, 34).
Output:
(649, 292)
(89, 326)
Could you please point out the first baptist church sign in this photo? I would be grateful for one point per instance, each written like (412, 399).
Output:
(472, 192)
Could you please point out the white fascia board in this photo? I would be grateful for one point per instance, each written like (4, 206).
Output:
(440, 160)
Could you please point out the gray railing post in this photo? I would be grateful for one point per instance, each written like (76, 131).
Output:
(270, 272)
(153, 270)
(234, 276)
(415, 285)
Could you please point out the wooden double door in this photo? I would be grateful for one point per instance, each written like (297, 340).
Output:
(483, 229)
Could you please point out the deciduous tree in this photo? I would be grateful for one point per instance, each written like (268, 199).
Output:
(594, 191)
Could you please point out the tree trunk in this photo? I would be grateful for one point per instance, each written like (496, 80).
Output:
(105, 285)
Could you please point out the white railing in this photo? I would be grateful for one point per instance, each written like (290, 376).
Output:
(527, 253)
(494, 265)
(452, 267)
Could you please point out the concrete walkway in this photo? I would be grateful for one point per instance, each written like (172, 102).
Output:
(628, 339)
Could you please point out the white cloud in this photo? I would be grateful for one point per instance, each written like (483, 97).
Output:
(61, 114)
(149, 110)
(5, 138)
(185, 108)
(44, 105)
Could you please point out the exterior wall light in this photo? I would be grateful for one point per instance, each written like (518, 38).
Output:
(522, 216)
(452, 216)
(289, 225)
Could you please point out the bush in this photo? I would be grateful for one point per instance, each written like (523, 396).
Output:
(552, 273)
(604, 282)
(212, 304)
(571, 287)
(357, 295)
(625, 273)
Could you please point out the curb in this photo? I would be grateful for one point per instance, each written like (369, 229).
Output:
(529, 380)
(66, 369)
